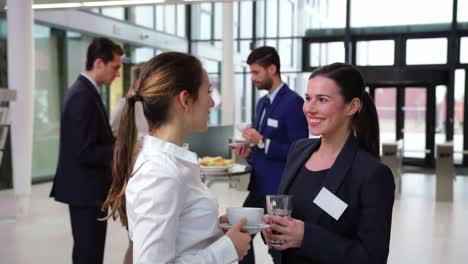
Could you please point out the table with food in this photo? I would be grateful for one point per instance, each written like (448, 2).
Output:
(219, 169)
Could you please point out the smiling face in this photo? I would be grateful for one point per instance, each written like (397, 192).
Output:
(201, 106)
(325, 109)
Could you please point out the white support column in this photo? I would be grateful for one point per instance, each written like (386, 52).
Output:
(20, 22)
(227, 67)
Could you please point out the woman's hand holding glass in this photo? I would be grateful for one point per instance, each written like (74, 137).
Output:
(291, 231)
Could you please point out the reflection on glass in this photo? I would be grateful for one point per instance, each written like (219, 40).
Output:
(414, 139)
(426, 51)
(326, 53)
(399, 12)
(377, 52)
(459, 115)
(385, 102)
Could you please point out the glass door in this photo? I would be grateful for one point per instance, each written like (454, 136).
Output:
(408, 114)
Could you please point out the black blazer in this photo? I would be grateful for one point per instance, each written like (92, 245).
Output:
(84, 173)
(362, 233)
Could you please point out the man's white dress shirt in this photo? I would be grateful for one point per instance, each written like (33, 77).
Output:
(172, 216)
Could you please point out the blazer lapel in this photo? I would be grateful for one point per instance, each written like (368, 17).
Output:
(338, 171)
(97, 99)
(295, 165)
(284, 89)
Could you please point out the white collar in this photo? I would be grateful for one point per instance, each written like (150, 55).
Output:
(91, 80)
(152, 144)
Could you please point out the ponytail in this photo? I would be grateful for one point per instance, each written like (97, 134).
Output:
(366, 126)
(122, 164)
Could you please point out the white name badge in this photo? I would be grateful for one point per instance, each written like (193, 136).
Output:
(331, 204)
(272, 122)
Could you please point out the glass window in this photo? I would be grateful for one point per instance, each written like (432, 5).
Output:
(464, 50)
(77, 46)
(115, 12)
(385, 102)
(170, 19)
(47, 101)
(181, 20)
(271, 18)
(144, 16)
(260, 22)
(246, 21)
(459, 115)
(414, 139)
(286, 24)
(142, 54)
(399, 12)
(325, 14)
(462, 8)
(218, 24)
(441, 110)
(377, 52)
(235, 20)
(160, 18)
(326, 53)
(286, 52)
(205, 21)
(426, 51)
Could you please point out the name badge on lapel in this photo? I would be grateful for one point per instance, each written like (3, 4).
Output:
(272, 123)
(331, 204)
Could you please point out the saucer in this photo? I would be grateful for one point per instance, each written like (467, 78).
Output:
(251, 229)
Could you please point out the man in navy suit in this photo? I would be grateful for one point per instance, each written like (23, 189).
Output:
(279, 121)
(84, 174)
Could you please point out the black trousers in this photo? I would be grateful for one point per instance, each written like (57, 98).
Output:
(89, 234)
(258, 200)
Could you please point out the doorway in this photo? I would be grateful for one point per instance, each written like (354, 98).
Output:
(409, 110)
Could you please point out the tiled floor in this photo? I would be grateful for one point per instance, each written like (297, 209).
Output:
(423, 231)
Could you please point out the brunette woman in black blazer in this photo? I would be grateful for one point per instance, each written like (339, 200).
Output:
(342, 194)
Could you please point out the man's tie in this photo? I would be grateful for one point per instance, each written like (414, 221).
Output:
(266, 105)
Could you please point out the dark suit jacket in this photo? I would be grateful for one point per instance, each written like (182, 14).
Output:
(286, 109)
(362, 233)
(84, 173)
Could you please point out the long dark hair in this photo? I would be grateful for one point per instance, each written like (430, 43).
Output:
(351, 84)
(161, 79)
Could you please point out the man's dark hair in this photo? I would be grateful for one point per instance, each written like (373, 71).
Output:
(102, 48)
(265, 56)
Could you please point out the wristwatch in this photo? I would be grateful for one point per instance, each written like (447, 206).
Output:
(261, 144)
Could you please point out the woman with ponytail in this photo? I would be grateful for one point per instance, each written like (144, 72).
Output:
(157, 191)
(342, 194)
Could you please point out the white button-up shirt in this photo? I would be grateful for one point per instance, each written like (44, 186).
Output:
(172, 217)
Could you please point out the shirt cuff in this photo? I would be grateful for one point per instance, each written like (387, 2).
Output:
(225, 246)
(267, 144)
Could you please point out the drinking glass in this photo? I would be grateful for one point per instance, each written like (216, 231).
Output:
(279, 205)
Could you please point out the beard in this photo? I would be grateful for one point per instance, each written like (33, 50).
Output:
(266, 84)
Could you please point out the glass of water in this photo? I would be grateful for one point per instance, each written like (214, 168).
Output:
(279, 205)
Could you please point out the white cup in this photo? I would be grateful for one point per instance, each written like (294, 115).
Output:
(253, 215)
